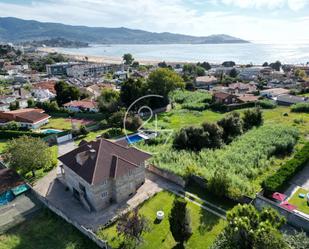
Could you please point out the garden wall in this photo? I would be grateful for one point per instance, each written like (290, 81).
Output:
(90, 234)
(167, 175)
(292, 218)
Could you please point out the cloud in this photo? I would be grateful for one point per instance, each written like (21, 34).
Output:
(294, 5)
(177, 16)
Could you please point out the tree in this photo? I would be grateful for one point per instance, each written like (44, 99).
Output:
(31, 102)
(128, 59)
(205, 65)
(200, 71)
(109, 101)
(83, 130)
(276, 65)
(116, 119)
(131, 90)
(14, 106)
(135, 64)
(66, 93)
(229, 64)
(179, 219)
(252, 117)
(219, 183)
(297, 240)
(250, 229)
(133, 123)
(192, 138)
(301, 74)
(233, 73)
(27, 154)
(215, 134)
(265, 64)
(162, 64)
(132, 225)
(232, 126)
(161, 82)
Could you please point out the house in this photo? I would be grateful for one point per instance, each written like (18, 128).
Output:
(42, 95)
(46, 85)
(7, 99)
(82, 106)
(250, 73)
(59, 68)
(241, 88)
(205, 82)
(247, 98)
(28, 118)
(274, 92)
(101, 172)
(224, 98)
(287, 99)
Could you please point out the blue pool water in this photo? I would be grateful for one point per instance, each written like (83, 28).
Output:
(20, 189)
(134, 139)
(51, 131)
(6, 197)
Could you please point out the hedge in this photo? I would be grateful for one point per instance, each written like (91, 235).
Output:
(278, 180)
(9, 134)
(300, 107)
(267, 104)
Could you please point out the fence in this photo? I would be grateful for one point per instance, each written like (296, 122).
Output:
(294, 219)
(90, 234)
(167, 175)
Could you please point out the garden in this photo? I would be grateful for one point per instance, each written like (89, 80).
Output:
(299, 199)
(205, 226)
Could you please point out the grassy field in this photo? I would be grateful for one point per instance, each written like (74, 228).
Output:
(45, 231)
(58, 123)
(205, 226)
(300, 203)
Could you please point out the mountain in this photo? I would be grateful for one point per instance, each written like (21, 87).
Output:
(14, 29)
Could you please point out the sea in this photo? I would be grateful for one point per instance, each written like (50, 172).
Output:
(244, 53)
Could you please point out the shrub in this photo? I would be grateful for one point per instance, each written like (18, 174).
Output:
(9, 134)
(267, 104)
(133, 123)
(252, 117)
(103, 124)
(195, 106)
(111, 133)
(300, 107)
(277, 181)
(232, 126)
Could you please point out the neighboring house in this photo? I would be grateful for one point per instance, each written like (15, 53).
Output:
(4, 99)
(46, 85)
(82, 106)
(94, 91)
(249, 73)
(287, 99)
(42, 95)
(27, 118)
(274, 92)
(224, 98)
(205, 82)
(246, 98)
(4, 107)
(241, 88)
(101, 172)
(22, 93)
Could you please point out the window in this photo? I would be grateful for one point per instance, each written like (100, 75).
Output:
(104, 194)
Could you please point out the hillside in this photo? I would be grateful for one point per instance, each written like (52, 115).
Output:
(16, 30)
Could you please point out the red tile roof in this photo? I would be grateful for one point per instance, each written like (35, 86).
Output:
(24, 115)
(49, 85)
(82, 104)
(99, 160)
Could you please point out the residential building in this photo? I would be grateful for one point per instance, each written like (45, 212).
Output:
(250, 73)
(274, 92)
(102, 172)
(7, 99)
(90, 70)
(82, 106)
(241, 88)
(205, 82)
(246, 98)
(60, 68)
(287, 99)
(224, 98)
(27, 118)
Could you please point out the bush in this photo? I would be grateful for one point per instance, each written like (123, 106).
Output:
(232, 126)
(267, 104)
(300, 107)
(111, 133)
(103, 124)
(9, 134)
(196, 106)
(252, 117)
(277, 181)
(133, 123)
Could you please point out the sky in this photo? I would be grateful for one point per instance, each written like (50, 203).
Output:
(272, 21)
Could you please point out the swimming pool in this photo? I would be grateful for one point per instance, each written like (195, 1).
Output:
(134, 139)
(51, 131)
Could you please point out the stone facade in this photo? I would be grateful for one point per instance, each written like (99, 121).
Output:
(98, 197)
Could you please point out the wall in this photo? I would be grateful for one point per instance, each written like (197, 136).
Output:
(292, 218)
(167, 175)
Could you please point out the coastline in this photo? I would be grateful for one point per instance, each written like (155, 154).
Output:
(103, 59)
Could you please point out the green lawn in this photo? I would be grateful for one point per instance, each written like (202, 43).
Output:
(58, 123)
(2, 145)
(90, 136)
(205, 226)
(45, 231)
(301, 203)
